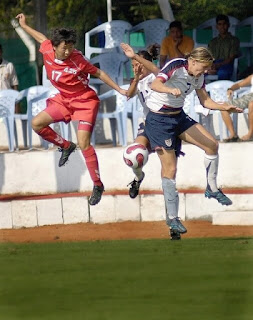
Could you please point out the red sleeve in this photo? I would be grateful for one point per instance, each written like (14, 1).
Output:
(46, 46)
(87, 67)
(84, 65)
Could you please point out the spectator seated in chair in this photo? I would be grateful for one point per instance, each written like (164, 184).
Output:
(176, 44)
(246, 101)
(225, 48)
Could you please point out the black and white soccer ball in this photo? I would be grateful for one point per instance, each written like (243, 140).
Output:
(136, 155)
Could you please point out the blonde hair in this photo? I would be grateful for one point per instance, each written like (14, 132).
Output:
(201, 54)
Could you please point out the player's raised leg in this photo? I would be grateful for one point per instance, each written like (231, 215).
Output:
(91, 160)
(200, 137)
(40, 125)
(136, 156)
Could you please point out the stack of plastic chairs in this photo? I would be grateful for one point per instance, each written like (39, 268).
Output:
(154, 30)
(114, 32)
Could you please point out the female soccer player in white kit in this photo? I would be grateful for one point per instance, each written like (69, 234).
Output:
(166, 121)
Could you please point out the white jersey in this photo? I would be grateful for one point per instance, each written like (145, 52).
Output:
(8, 76)
(174, 75)
(144, 91)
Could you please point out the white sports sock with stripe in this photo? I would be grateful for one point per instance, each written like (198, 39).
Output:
(211, 164)
(171, 198)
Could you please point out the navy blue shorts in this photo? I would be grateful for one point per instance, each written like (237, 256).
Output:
(163, 130)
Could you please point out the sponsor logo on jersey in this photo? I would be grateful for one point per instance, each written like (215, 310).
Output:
(168, 142)
(48, 62)
(70, 70)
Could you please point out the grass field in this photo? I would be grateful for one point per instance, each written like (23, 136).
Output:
(200, 279)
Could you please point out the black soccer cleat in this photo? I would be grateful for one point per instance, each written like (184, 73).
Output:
(175, 234)
(96, 195)
(66, 153)
(135, 186)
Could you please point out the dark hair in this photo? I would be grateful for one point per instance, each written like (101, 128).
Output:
(222, 17)
(62, 34)
(145, 54)
(176, 24)
(151, 53)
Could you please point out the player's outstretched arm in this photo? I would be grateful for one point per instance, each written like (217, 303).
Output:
(129, 52)
(33, 33)
(208, 103)
(107, 80)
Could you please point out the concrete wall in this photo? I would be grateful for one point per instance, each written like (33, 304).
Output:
(37, 173)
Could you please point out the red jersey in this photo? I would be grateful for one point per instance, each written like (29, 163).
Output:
(69, 76)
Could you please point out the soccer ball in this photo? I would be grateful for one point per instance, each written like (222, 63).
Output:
(135, 155)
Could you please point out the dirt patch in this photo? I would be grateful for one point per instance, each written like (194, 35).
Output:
(117, 231)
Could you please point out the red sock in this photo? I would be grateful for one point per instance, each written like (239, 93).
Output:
(50, 135)
(92, 165)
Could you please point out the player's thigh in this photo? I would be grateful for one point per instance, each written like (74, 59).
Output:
(43, 119)
(200, 137)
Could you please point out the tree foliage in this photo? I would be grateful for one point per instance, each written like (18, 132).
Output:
(194, 12)
(85, 15)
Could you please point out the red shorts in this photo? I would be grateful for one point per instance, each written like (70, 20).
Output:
(82, 107)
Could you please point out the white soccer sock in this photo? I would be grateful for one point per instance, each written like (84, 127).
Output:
(171, 198)
(211, 164)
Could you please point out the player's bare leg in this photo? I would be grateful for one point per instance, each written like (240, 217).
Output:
(200, 137)
(138, 172)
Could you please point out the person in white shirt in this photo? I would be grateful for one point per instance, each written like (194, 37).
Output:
(246, 101)
(8, 76)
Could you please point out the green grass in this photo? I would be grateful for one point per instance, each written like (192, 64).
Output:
(192, 279)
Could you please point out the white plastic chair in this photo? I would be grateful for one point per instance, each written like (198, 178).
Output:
(36, 97)
(113, 64)
(239, 93)
(7, 111)
(115, 32)
(154, 31)
(247, 45)
(135, 113)
(45, 81)
(218, 92)
(29, 94)
(37, 104)
(117, 117)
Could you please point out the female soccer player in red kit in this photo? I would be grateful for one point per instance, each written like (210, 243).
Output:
(68, 70)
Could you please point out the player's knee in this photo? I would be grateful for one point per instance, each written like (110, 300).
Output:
(36, 124)
(214, 147)
(84, 143)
